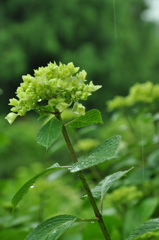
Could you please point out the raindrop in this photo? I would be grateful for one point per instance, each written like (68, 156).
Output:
(92, 222)
(32, 186)
(39, 100)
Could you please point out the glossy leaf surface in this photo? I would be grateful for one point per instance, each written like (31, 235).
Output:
(91, 117)
(49, 132)
(105, 151)
(52, 228)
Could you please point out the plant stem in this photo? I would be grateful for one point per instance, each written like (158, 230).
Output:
(86, 186)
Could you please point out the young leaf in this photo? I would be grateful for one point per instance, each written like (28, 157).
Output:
(49, 132)
(52, 228)
(148, 226)
(24, 189)
(91, 117)
(105, 151)
(103, 186)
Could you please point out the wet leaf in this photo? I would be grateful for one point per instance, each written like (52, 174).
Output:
(49, 132)
(30, 184)
(91, 117)
(146, 227)
(105, 151)
(101, 189)
(52, 228)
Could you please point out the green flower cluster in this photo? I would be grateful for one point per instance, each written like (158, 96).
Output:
(58, 86)
(139, 93)
(86, 144)
(125, 195)
(119, 102)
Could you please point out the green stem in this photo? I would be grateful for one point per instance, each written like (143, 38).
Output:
(86, 186)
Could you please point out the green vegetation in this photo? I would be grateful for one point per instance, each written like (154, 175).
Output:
(124, 212)
(106, 38)
(41, 190)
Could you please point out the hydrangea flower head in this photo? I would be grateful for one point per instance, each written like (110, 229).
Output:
(53, 88)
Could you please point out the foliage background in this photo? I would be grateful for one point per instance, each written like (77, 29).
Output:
(106, 38)
(109, 39)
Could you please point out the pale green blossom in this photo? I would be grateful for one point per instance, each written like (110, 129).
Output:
(11, 117)
(146, 93)
(78, 108)
(53, 88)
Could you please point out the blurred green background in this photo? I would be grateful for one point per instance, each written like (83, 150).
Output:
(117, 48)
(107, 38)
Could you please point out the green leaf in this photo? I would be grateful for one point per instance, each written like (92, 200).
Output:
(91, 117)
(49, 132)
(103, 186)
(52, 228)
(105, 151)
(138, 214)
(146, 227)
(29, 184)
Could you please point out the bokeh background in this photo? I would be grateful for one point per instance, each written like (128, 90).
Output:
(110, 39)
(117, 43)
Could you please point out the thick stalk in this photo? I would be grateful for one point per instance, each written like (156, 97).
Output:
(86, 186)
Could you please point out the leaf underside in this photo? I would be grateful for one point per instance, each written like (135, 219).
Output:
(101, 189)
